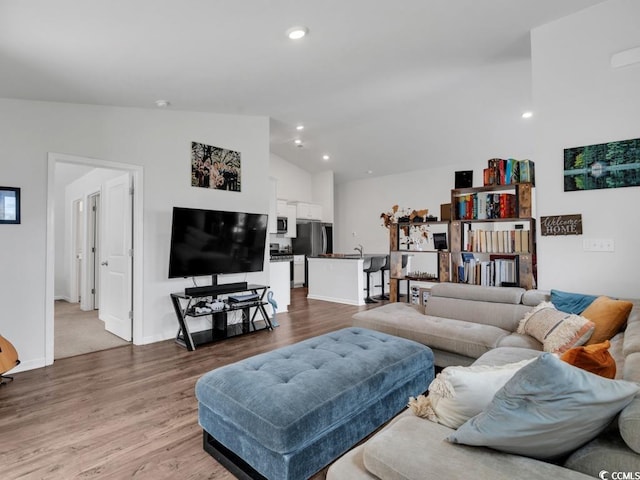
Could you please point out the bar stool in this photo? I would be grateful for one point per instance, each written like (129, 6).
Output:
(385, 268)
(371, 265)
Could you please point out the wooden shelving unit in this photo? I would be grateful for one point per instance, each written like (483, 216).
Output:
(488, 222)
(404, 239)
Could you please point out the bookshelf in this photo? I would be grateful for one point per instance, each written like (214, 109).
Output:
(427, 262)
(493, 236)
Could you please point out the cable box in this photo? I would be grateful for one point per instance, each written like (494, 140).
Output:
(243, 298)
(215, 289)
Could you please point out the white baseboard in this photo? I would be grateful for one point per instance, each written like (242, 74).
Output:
(28, 365)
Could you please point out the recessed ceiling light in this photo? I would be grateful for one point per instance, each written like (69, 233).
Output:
(297, 141)
(162, 103)
(300, 127)
(369, 172)
(296, 33)
(527, 115)
(325, 157)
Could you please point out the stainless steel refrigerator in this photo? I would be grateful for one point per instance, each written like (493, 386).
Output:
(312, 239)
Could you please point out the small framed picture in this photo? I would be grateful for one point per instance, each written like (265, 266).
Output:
(9, 205)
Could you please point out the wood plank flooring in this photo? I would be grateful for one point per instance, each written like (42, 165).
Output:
(131, 412)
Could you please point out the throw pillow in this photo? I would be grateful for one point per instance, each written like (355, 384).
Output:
(608, 315)
(459, 393)
(557, 331)
(548, 409)
(592, 358)
(571, 302)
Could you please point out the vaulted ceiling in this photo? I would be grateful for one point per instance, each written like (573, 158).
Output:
(380, 86)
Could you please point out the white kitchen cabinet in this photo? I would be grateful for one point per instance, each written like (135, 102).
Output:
(280, 284)
(281, 208)
(292, 228)
(309, 211)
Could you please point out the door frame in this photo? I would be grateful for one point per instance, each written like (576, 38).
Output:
(136, 173)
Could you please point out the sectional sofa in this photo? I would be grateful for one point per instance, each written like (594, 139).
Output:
(478, 327)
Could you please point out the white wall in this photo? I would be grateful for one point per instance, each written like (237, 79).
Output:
(580, 100)
(157, 140)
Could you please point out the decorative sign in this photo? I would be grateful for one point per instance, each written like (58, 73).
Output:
(561, 225)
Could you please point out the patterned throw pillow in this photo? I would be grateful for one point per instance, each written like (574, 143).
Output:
(592, 358)
(557, 331)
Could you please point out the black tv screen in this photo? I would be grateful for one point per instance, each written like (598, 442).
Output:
(212, 242)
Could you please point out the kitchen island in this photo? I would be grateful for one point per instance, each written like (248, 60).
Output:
(340, 278)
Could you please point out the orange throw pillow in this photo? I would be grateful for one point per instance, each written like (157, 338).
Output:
(592, 358)
(609, 315)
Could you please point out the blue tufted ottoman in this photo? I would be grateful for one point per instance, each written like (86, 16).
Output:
(285, 414)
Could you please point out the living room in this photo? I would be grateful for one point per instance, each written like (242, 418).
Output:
(577, 97)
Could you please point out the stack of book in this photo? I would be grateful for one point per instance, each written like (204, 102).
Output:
(502, 171)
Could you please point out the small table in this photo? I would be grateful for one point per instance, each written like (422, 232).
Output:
(220, 329)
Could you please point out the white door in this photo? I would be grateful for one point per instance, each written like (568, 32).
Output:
(116, 258)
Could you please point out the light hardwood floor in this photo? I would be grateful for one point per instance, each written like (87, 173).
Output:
(131, 412)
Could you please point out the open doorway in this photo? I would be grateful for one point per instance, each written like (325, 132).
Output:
(92, 274)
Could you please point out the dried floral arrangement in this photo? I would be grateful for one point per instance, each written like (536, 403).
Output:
(396, 215)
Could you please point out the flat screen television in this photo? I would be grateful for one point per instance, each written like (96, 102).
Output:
(213, 242)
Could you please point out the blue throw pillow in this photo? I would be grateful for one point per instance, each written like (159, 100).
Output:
(546, 410)
(571, 302)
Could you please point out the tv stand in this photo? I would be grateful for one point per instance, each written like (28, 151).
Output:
(184, 306)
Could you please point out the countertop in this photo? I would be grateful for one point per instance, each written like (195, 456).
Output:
(347, 256)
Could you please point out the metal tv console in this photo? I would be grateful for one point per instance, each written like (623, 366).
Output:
(185, 306)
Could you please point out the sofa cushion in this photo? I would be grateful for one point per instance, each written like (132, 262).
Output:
(469, 339)
(532, 298)
(415, 449)
(503, 355)
(592, 358)
(558, 331)
(607, 452)
(459, 393)
(548, 409)
(478, 293)
(608, 315)
(571, 302)
(629, 420)
(501, 315)
(520, 340)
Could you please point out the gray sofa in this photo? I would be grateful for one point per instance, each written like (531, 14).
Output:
(466, 325)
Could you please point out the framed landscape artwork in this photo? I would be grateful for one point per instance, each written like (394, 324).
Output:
(604, 165)
(215, 167)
